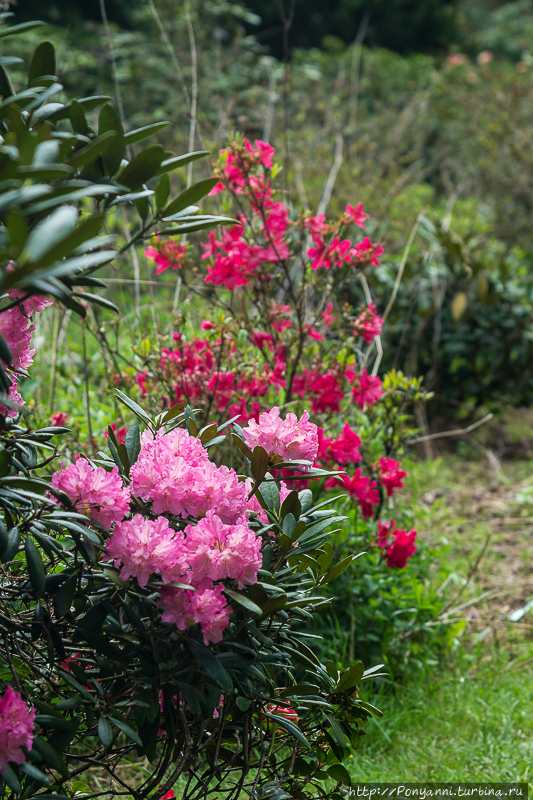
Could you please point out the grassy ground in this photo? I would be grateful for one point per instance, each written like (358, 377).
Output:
(469, 718)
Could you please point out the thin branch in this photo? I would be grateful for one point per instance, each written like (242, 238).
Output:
(194, 90)
(332, 177)
(173, 55)
(113, 62)
(403, 262)
(458, 432)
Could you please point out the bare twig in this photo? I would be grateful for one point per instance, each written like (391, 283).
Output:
(332, 177)
(403, 262)
(136, 265)
(458, 432)
(113, 62)
(194, 90)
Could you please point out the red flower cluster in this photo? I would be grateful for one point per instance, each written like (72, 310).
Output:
(400, 545)
(361, 488)
(390, 475)
(368, 323)
(169, 253)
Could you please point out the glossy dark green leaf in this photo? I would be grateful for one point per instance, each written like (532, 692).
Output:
(52, 721)
(65, 596)
(133, 406)
(22, 27)
(339, 773)
(35, 566)
(109, 120)
(50, 756)
(338, 733)
(244, 601)
(162, 192)
(5, 352)
(271, 496)
(350, 677)
(93, 619)
(290, 727)
(336, 570)
(43, 61)
(213, 669)
(190, 196)
(130, 733)
(259, 463)
(133, 443)
(11, 779)
(370, 708)
(141, 168)
(180, 161)
(84, 157)
(48, 233)
(142, 133)
(105, 732)
(32, 772)
(78, 119)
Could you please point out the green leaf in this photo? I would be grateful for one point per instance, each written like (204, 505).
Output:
(339, 773)
(338, 733)
(192, 696)
(306, 499)
(49, 233)
(132, 405)
(11, 779)
(369, 707)
(23, 26)
(190, 195)
(244, 601)
(5, 352)
(213, 669)
(259, 463)
(162, 192)
(35, 566)
(127, 730)
(290, 727)
(142, 133)
(65, 596)
(350, 677)
(291, 505)
(141, 168)
(271, 496)
(33, 772)
(52, 721)
(133, 443)
(86, 156)
(180, 161)
(43, 61)
(13, 544)
(78, 119)
(50, 756)
(105, 732)
(336, 570)
(109, 120)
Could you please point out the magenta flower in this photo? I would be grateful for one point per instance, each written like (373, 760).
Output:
(344, 448)
(16, 728)
(94, 491)
(205, 606)
(359, 487)
(368, 323)
(400, 544)
(356, 215)
(390, 475)
(290, 438)
(367, 389)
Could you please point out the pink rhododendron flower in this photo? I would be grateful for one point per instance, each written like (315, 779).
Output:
(207, 325)
(356, 215)
(59, 419)
(16, 399)
(368, 323)
(168, 253)
(400, 544)
(343, 449)
(317, 224)
(217, 551)
(94, 491)
(144, 547)
(390, 475)
(173, 470)
(290, 439)
(34, 304)
(16, 728)
(360, 487)
(205, 606)
(367, 389)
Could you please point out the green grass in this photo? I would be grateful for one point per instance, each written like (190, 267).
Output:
(462, 724)
(469, 717)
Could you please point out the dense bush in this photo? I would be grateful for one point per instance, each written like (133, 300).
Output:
(150, 598)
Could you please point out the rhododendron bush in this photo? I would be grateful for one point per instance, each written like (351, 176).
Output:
(154, 597)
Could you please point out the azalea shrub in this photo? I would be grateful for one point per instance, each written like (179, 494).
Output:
(289, 318)
(154, 601)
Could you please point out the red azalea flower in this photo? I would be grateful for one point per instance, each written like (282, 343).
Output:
(390, 475)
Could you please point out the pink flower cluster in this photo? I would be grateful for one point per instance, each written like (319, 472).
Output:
(94, 491)
(342, 450)
(199, 557)
(368, 323)
(174, 471)
(339, 251)
(167, 254)
(326, 388)
(290, 438)
(400, 545)
(16, 328)
(367, 389)
(16, 728)
(238, 161)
